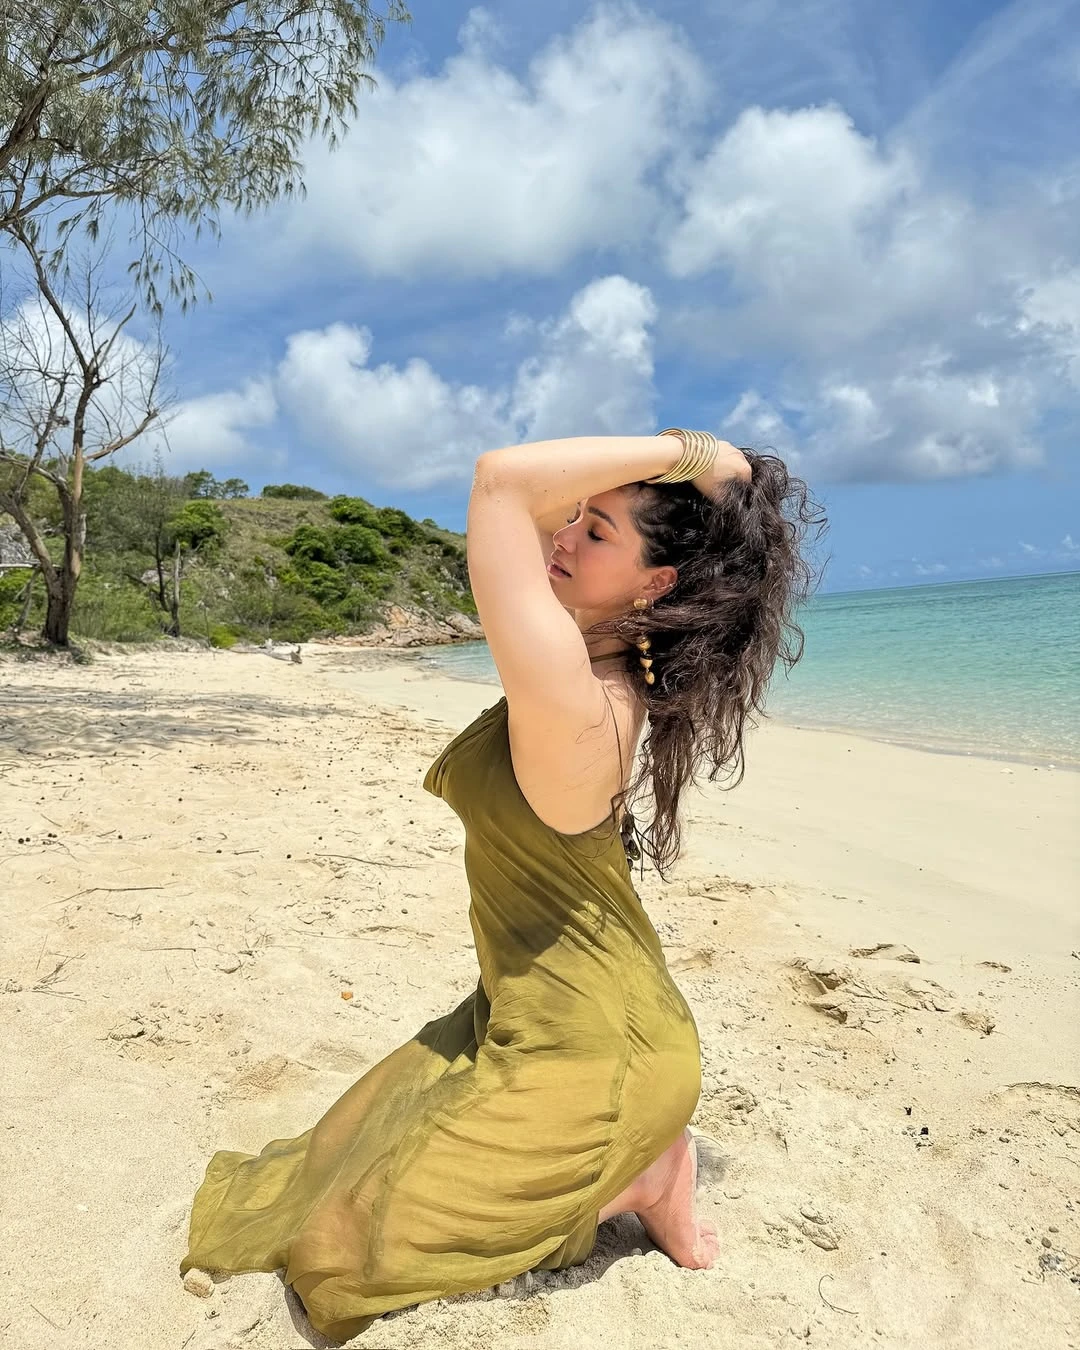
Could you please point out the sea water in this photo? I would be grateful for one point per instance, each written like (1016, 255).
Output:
(981, 667)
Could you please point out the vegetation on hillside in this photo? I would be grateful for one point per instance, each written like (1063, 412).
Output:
(192, 557)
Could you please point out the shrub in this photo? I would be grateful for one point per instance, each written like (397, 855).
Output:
(293, 492)
(354, 511)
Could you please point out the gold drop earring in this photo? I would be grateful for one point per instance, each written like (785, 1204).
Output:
(644, 645)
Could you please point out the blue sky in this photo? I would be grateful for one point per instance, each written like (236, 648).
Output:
(841, 230)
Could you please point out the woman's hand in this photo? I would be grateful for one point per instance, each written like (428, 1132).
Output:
(730, 462)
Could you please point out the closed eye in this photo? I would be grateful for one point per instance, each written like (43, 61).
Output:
(592, 533)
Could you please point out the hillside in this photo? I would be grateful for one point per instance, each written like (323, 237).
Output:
(289, 568)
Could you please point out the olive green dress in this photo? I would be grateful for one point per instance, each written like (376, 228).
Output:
(487, 1145)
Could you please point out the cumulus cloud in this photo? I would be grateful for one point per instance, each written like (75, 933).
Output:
(474, 171)
(213, 430)
(907, 345)
(929, 423)
(1050, 310)
(408, 427)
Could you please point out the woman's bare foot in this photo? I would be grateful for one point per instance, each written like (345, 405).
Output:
(664, 1200)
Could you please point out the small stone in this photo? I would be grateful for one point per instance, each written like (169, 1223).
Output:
(229, 964)
(197, 1282)
(636, 1251)
(1046, 1242)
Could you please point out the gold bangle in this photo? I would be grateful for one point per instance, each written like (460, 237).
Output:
(699, 453)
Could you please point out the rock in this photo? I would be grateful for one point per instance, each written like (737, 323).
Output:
(406, 627)
(197, 1282)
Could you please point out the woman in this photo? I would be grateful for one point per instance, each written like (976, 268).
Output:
(559, 1092)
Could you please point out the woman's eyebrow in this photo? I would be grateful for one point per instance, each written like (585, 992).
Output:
(604, 516)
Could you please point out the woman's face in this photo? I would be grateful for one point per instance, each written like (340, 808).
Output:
(600, 550)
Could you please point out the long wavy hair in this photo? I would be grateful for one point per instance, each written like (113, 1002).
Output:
(717, 635)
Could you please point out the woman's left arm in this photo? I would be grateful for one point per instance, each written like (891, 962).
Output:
(547, 476)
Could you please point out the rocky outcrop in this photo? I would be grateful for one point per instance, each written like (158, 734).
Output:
(406, 627)
(14, 550)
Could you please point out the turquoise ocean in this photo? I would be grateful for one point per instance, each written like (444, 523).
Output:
(980, 667)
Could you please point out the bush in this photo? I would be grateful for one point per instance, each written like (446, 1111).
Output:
(293, 492)
(324, 584)
(12, 594)
(359, 544)
(221, 635)
(308, 543)
(354, 511)
(113, 610)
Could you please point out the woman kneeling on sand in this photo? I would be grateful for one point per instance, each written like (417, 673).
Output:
(620, 581)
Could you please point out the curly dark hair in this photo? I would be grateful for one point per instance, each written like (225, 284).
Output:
(717, 634)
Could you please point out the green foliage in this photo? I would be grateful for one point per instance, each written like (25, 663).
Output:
(354, 511)
(359, 544)
(291, 492)
(202, 483)
(111, 609)
(312, 545)
(253, 568)
(180, 108)
(198, 525)
(12, 592)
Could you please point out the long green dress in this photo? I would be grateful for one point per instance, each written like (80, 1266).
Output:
(487, 1145)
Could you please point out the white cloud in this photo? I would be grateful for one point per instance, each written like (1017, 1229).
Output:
(210, 431)
(402, 426)
(473, 171)
(1050, 309)
(407, 427)
(916, 334)
(927, 424)
(593, 372)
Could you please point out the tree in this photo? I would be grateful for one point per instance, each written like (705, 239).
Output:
(150, 516)
(174, 110)
(74, 389)
(202, 483)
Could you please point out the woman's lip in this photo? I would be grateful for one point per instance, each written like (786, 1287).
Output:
(556, 571)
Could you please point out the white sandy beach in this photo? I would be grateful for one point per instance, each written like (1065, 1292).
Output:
(202, 852)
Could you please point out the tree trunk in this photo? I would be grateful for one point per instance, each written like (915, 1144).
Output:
(58, 615)
(174, 625)
(65, 579)
(59, 586)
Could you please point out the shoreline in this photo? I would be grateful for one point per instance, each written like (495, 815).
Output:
(416, 656)
(1062, 762)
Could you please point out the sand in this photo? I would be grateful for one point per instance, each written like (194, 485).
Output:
(202, 852)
